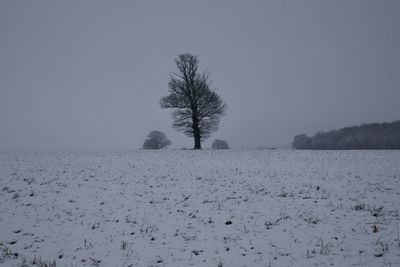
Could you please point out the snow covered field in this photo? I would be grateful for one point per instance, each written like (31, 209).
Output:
(200, 208)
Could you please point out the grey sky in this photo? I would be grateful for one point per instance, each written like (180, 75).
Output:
(90, 74)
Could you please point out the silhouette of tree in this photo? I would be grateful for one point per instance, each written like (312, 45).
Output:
(197, 108)
(156, 140)
(219, 144)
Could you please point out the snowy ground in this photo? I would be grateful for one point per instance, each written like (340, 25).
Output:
(200, 208)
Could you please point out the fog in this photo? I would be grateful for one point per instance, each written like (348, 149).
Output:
(90, 74)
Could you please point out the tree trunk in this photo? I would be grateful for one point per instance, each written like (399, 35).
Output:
(196, 132)
(197, 141)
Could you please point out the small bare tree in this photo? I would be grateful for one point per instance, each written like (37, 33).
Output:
(219, 144)
(156, 140)
(197, 108)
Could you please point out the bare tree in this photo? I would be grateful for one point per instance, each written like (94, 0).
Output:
(197, 108)
(219, 144)
(156, 140)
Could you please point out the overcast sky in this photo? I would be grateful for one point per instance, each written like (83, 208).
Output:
(90, 74)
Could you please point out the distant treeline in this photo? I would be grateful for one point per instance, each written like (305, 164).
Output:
(366, 136)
